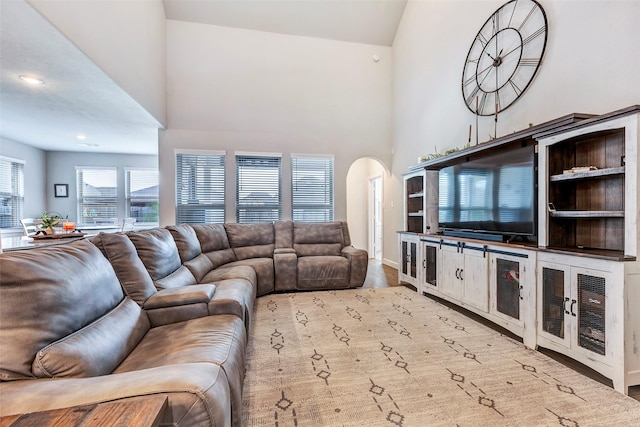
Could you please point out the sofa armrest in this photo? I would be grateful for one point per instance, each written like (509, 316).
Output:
(358, 262)
(285, 266)
(183, 295)
(174, 305)
(198, 393)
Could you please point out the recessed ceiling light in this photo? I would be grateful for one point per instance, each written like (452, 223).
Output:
(81, 137)
(31, 80)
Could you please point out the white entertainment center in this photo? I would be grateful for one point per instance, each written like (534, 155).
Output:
(573, 285)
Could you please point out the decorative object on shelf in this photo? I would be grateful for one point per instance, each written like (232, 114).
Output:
(48, 221)
(578, 169)
(504, 57)
(61, 190)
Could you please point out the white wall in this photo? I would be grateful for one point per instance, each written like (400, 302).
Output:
(126, 39)
(61, 169)
(591, 65)
(35, 183)
(232, 89)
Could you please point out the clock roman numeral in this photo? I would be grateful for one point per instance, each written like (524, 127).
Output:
(541, 30)
(483, 102)
(524, 21)
(469, 99)
(529, 62)
(483, 41)
(515, 88)
(513, 11)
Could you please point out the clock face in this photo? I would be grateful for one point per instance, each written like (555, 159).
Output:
(504, 57)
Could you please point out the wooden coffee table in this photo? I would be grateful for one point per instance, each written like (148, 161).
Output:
(138, 412)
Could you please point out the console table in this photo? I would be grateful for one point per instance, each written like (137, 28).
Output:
(136, 412)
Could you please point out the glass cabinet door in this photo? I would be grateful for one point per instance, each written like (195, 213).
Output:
(555, 300)
(590, 312)
(508, 287)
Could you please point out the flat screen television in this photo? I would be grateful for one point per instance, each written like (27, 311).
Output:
(493, 195)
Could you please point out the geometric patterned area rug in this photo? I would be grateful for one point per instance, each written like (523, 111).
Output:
(391, 357)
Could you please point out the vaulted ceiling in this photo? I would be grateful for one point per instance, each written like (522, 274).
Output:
(78, 98)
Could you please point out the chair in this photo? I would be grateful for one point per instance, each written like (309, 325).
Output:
(30, 226)
(127, 224)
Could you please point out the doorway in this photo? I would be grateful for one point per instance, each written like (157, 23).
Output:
(375, 217)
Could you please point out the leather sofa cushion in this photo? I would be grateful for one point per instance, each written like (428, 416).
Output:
(230, 271)
(283, 234)
(217, 339)
(263, 268)
(98, 348)
(317, 239)
(47, 294)
(251, 240)
(215, 245)
(186, 240)
(323, 272)
(212, 237)
(181, 277)
(181, 296)
(199, 266)
(198, 393)
(157, 250)
(130, 270)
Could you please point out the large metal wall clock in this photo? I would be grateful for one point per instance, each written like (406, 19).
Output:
(504, 57)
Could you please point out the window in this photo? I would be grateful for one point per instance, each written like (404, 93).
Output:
(142, 195)
(258, 189)
(11, 192)
(312, 189)
(200, 188)
(97, 194)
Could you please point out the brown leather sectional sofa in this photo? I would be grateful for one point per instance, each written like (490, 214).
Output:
(161, 311)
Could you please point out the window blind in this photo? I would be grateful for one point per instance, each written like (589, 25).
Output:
(312, 189)
(11, 192)
(142, 195)
(258, 189)
(97, 194)
(200, 188)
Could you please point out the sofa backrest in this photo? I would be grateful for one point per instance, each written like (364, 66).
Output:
(186, 241)
(159, 254)
(214, 243)
(48, 294)
(251, 240)
(190, 250)
(131, 272)
(318, 238)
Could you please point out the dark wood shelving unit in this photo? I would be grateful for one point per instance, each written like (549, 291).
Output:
(586, 208)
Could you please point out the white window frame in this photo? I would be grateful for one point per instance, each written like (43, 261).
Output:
(252, 210)
(127, 184)
(112, 201)
(15, 211)
(312, 191)
(191, 210)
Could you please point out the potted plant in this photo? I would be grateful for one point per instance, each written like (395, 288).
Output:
(48, 221)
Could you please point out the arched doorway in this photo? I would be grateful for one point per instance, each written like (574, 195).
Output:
(366, 180)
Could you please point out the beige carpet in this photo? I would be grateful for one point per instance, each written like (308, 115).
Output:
(385, 357)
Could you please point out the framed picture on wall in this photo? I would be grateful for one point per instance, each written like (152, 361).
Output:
(61, 190)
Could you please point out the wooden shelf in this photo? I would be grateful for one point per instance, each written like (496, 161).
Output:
(587, 214)
(586, 175)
